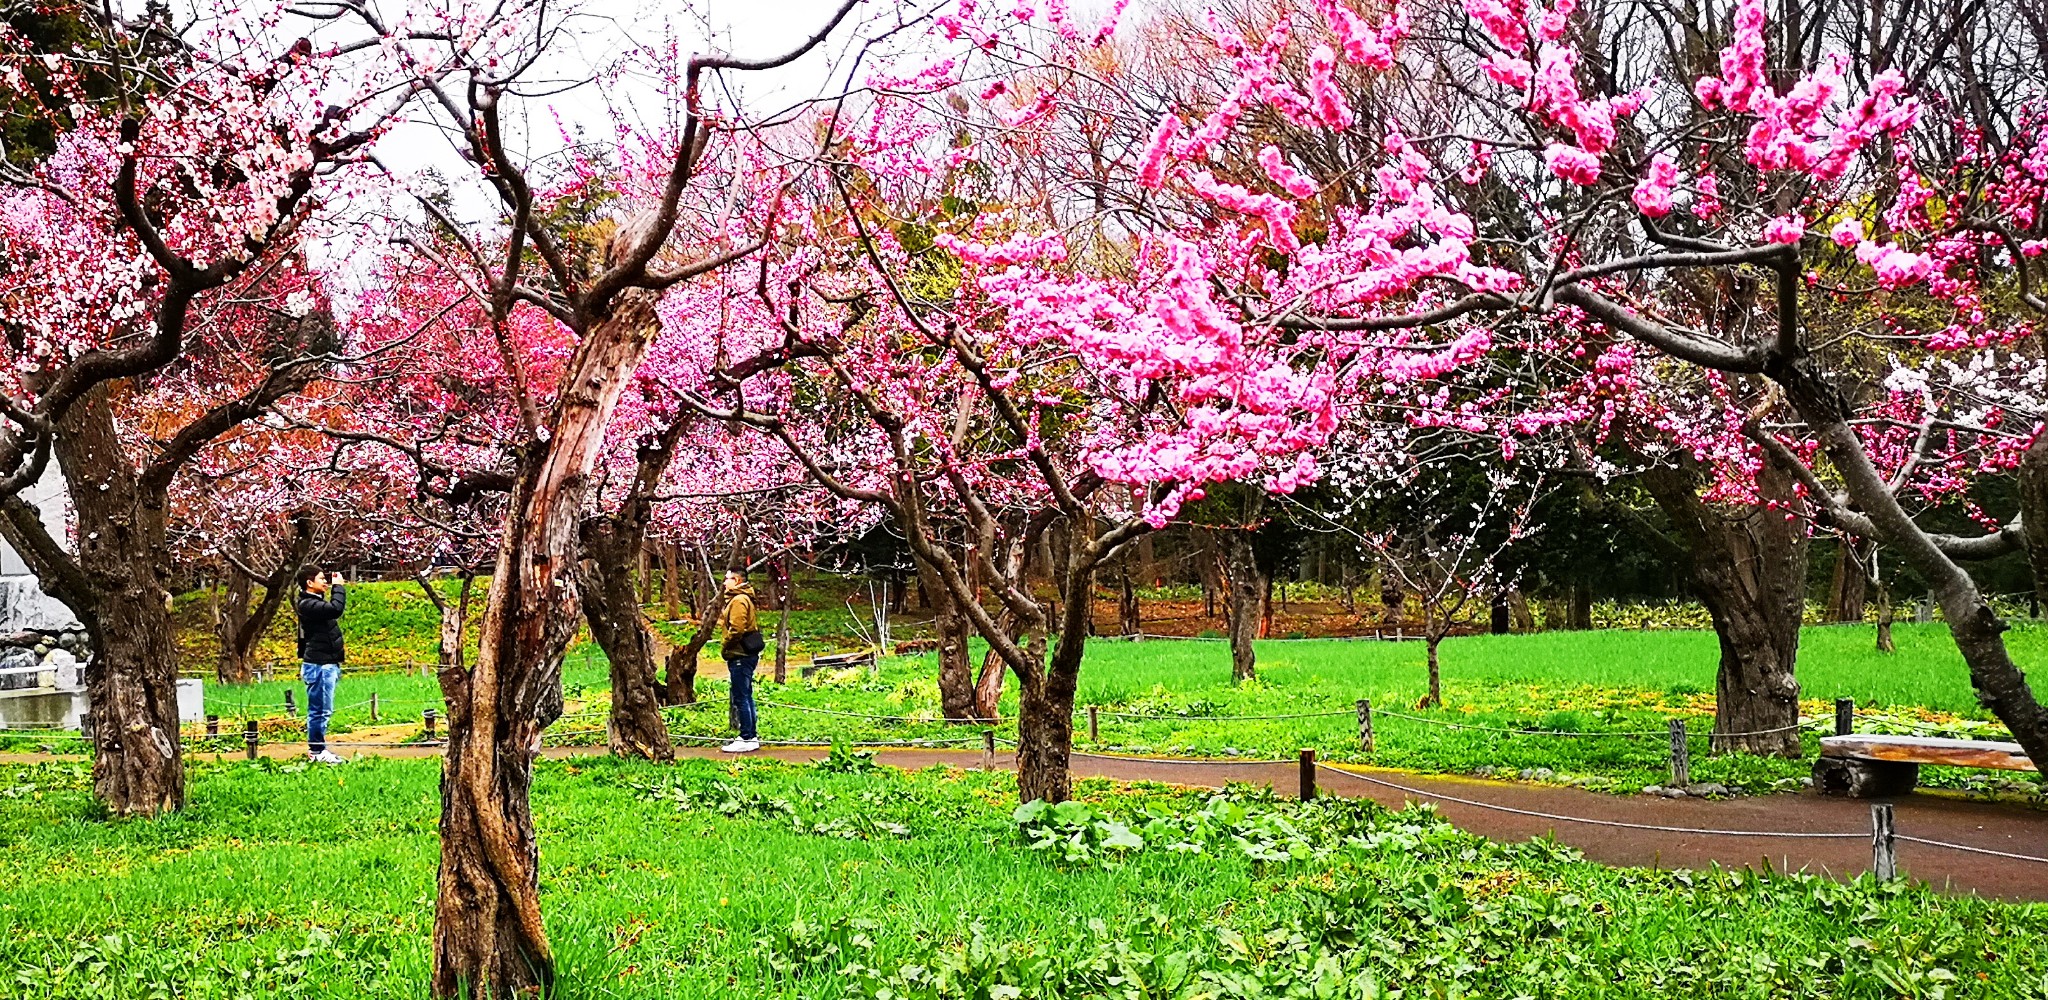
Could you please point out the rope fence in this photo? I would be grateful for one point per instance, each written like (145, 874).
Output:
(1560, 818)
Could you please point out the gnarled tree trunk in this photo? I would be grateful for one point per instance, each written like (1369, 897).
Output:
(1750, 572)
(241, 627)
(634, 727)
(115, 585)
(956, 669)
(488, 938)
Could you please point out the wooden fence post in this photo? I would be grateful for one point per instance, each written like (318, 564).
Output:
(1845, 716)
(1365, 724)
(1308, 774)
(1681, 755)
(428, 718)
(212, 724)
(290, 708)
(1093, 729)
(988, 749)
(250, 739)
(373, 706)
(1884, 859)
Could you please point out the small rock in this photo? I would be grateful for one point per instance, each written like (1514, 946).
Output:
(1673, 793)
(1708, 790)
(1653, 789)
(1483, 771)
(68, 640)
(1806, 782)
(1543, 774)
(1527, 773)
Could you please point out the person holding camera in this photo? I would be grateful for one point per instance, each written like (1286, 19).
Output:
(320, 604)
(742, 652)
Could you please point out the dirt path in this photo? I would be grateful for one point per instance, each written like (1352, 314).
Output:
(1993, 826)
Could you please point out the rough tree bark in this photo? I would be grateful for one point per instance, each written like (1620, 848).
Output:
(241, 627)
(454, 618)
(956, 669)
(115, 585)
(613, 544)
(634, 727)
(232, 665)
(1846, 590)
(681, 686)
(1750, 572)
(488, 937)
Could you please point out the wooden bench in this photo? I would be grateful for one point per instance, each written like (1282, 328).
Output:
(1861, 766)
(856, 659)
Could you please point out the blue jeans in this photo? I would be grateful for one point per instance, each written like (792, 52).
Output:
(320, 679)
(741, 670)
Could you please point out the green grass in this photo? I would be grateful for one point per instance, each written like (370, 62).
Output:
(762, 879)
(1629, 682)
(1611, 682)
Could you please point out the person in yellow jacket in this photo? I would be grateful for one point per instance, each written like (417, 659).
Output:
(742, 652)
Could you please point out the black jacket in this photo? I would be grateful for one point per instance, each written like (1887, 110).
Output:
(320, 625)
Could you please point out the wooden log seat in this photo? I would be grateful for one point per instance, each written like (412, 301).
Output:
(1868, 765)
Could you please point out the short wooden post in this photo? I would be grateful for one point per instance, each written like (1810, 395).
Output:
(373, 706)
(1845, 716)
(1681, 755)
(1884, 859)
(428, 717)
(212, 724)
(988, 749)
(1094, 729)
(1308, 774)
(289, 708)
(85, 724)
(1365, 724)
(249, 738)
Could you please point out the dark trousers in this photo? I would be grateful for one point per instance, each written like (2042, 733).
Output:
(741, 670)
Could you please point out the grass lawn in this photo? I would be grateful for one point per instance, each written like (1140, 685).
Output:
(1629, 683)
(761, 879)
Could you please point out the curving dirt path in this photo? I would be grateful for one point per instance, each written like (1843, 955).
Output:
(1931, 816)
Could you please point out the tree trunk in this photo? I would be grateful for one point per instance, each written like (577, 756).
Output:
(1246, 598)
(1129, 617)
(671, 582)
(1582, 607)
(1525, 621)
(1501, 618)
(1045, 722)
(785, 602)
(681, 688)
(956, 669)
(1750, 572)
(1435, 698)
(115, 585)
(238, 645)
(1884, 617)
(234, 665)
(635, 726)
(1846, 590)
(488, 937)
(1391, 599)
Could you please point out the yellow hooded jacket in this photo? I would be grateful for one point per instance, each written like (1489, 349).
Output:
(738, 619)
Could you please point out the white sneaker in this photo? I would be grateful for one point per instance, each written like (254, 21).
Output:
(325, 757)
(741, 746)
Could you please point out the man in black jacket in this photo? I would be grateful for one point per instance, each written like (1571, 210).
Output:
(320, 603)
